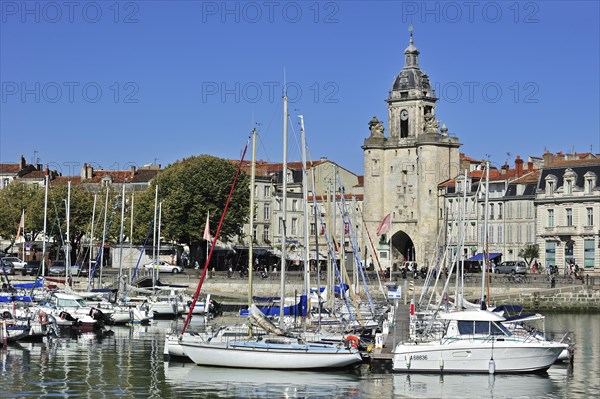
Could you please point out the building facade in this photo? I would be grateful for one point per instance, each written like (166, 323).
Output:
(402, 170)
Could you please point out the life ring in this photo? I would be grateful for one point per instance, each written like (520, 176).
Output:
(43, 317)
(353, 341)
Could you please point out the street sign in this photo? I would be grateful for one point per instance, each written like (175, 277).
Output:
(395, 292)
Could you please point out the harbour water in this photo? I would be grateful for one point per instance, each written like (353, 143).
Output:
(127, 362)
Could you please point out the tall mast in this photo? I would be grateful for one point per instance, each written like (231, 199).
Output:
(284, 207)
(305, 219)
(103, 237)
(92, 238)
(154, 226)
(45, 226)
(121, 233)
(158, 248)
(485, 230)
(251, 244)
(68, 243)
(131, 233)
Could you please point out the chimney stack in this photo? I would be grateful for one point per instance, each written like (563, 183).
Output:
(519, 165)
(22, 163)
(547, 158)
(132, 171)
(529, 166)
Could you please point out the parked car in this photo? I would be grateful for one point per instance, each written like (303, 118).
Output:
(31, 268)
(164, 267)
(512, 266)
(6, 267)
(17, 262)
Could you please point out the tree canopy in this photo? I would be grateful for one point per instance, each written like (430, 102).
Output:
(189, 189)
(529, 252)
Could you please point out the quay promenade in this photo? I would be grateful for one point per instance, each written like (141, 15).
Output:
(535, 293)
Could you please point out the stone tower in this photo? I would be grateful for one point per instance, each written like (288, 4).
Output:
(404, 169)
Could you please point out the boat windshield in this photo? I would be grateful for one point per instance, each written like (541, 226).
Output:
(481, 327)
(71, 303)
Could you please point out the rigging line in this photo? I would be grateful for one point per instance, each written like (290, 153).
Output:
(354, 244)
(62, 241)
(331, 252)
(215, 238)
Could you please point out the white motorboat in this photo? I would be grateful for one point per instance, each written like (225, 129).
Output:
(475, 341)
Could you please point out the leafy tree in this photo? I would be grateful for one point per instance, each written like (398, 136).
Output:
(189, 189)
(15, 198)
(80, 216)
(529, 252)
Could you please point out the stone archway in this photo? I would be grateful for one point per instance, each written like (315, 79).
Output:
(403, 248)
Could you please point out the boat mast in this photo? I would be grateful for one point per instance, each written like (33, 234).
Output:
(90, 276)
(156, 268)
(121, 234)
(284, 207)
(103, 238)
(154, 226)
(251, 244)
(305, 196)
(68, 243)
(485, 230)
(45, 226)
(131, 233)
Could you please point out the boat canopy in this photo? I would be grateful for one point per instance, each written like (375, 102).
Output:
(472, 315)
(479, 256)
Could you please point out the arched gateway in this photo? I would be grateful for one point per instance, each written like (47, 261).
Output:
(403, 248)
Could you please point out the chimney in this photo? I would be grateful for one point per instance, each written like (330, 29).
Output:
(519, 165)
(132, 171)
(504, 168)
(547, 158)
(529, 166)
(22, 163)
(38, 166)
(83, 170)
(47, 171)
(89, 171)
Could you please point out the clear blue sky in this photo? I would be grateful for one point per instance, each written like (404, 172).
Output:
(157, 80)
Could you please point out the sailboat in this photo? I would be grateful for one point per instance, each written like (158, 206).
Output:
(277, 350)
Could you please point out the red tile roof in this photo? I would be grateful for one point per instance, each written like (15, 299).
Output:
(10, 168)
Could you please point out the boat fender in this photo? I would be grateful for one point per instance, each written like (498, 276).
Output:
(441, 364)
(407, 359)
(352, 340)
(43, 317)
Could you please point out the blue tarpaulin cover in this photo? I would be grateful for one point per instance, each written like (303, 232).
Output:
(480, 256)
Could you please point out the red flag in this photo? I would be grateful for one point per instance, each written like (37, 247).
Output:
(207, 235)
(21, 225)
(385, 225)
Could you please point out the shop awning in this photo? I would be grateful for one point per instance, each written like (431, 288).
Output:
(480, 256)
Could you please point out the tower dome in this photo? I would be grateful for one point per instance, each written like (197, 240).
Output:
(411, 76)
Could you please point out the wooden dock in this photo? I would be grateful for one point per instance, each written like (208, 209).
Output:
(380, 360)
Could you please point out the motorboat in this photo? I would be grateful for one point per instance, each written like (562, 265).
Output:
(476, 341)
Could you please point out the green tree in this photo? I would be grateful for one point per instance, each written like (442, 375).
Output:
(529, 252)
(15, 198)
(189, 189)
(80, 216)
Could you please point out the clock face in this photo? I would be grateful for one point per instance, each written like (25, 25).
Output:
(404, 114)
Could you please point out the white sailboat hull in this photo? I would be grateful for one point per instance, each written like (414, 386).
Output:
(257, 355)
(474, 357)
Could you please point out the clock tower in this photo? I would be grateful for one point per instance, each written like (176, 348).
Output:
(404, 168)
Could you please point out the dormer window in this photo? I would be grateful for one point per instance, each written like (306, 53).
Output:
(106, 181)
(551, 184)
(589, 182)
(569, 179)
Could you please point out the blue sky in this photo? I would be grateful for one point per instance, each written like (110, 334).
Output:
(125, 83)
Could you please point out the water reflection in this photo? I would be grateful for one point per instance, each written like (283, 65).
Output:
(128, 362)
(473, 385)
(226, 382)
